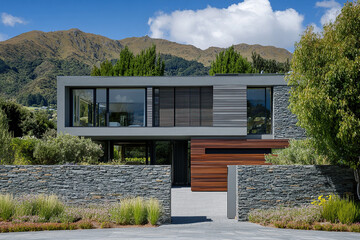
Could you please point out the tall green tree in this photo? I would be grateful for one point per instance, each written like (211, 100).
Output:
(325, 80)
(146, 63)
(229, 61)
(6, 152)
(268, 65)
(123, 66)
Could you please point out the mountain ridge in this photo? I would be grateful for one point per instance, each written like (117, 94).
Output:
(30, 62)
(90, 47)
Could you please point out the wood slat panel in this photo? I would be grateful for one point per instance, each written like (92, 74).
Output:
(182, 106)
(195, 106)
(209, 171)
(166, 107)
(206, 111)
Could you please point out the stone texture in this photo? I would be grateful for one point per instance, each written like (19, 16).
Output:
(90, 184)
(261, 187)
(284, 121)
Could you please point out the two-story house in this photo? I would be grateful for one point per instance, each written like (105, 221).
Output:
(199, 125)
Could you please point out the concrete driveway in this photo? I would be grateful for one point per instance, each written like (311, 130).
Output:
(200, 216)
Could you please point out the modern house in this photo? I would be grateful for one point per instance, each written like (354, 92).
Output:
(199, 125)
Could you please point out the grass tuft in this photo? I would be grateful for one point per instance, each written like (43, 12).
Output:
(153, 211)
(7, 207)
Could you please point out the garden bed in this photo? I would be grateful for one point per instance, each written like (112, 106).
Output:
(41, 212)
(326, 214)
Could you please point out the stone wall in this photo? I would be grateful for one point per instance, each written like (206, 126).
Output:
(284, 121)
(91, 184)
(261, 187)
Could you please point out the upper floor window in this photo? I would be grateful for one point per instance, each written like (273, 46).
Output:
(127, 107)
(259, 110)
(83, 107)
(113, 107)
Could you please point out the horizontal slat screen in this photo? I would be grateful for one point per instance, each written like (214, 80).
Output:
(229, 106)
(209, 165)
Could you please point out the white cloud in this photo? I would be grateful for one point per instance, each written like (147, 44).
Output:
(251, 22)
(328, 4)
(333, 10)
(3, 37)
(10, 20)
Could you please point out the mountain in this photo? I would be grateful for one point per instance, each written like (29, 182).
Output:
(30, 62)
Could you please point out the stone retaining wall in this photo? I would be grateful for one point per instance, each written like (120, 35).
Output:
(284, 121)
(91, 184)
(269, 186)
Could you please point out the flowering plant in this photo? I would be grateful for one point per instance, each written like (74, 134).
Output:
(321, 200)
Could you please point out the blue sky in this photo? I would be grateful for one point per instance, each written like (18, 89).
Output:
(203, 23)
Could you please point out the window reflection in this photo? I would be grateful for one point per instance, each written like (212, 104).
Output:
(101, 107)
(127, 107)
(259, 110)
(83, 102)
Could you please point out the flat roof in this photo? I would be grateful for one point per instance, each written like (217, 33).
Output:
(181, 81)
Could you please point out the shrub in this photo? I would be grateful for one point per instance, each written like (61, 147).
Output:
(24, 150)
(140, 211)
(330, 209)
(67, 149)
(343, 210)
(7, 206)
(299, 152)
(85, 225)
(153, 211)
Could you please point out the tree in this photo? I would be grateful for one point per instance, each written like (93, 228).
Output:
(16, 115)
(123, 66)
(146, 63)
(267, 65)
(6, 153)
(229, 61)
(325, 93)
(37, 123)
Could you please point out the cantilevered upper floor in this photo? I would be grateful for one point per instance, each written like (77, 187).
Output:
(245, 106)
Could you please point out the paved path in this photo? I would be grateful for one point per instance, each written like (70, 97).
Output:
(195, 216)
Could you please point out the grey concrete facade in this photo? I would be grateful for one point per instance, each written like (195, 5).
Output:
(91, 184)
(237, 127)
(261, 187)
(284, 122)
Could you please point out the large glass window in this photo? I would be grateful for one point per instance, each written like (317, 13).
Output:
(83, 107)
(259, 110)
(101, 107)
(127, 107)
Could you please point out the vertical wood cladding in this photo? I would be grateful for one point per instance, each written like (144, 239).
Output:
(209, 171)
(184, 106)
(194, 106)
(229, 106)
(206, 102)
(149, 106)
(166, 107)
